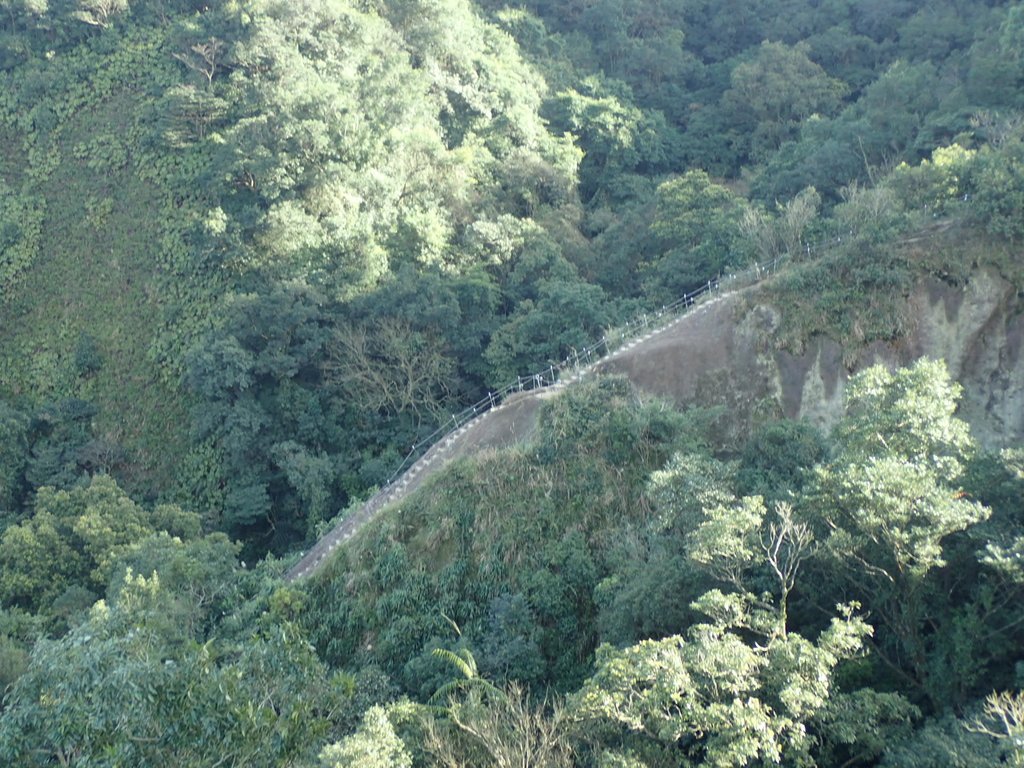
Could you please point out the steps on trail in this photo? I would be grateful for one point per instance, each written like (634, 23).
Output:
(436, 457)
(688, 307)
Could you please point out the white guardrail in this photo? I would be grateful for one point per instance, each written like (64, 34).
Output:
(425, 450)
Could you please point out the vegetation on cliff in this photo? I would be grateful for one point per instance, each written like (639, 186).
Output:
(252, 251)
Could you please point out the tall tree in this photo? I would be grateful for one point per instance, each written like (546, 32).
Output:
(888, 503)
(698, 235)
(774, 92)
(131, 687)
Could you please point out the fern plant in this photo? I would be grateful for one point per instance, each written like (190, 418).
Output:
(469, 680)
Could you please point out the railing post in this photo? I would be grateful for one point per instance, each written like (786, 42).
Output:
(627, 331)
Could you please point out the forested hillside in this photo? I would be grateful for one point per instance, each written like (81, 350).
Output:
(252, 251)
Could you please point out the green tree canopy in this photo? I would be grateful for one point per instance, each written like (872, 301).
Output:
(775, 91)
(697, 231)
(74, 539)
(131, 686)
(890, 501)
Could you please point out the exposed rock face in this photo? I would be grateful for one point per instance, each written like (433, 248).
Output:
(727, 355)
(978, 330)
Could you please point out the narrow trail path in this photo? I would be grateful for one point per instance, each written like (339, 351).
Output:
(505, 424)
(508, 417)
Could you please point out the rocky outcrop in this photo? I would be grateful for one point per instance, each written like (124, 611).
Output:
(726, 352)
(730, 356)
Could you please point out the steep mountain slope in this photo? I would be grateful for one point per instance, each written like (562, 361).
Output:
(83, 296)
(733, 357)
(329, 225)
(209, 217)
(252, 251)
(731, 352)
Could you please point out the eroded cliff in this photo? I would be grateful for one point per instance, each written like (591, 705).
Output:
(731, 355)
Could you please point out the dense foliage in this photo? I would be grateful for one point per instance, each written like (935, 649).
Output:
(329, 224)
(846, 614)
(252, 251)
